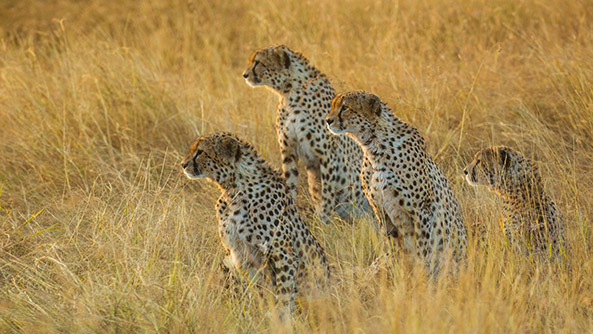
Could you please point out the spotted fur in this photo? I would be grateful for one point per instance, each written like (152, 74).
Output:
(533, 222)
(409, 194)
(332, 163)
(258, 223)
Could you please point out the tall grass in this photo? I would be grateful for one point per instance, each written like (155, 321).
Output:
(100, 231)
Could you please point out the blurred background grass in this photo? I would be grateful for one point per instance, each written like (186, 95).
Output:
(99, 101)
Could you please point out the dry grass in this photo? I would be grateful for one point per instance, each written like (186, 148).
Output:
(100, 232)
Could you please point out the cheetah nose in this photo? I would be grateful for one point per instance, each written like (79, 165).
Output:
(184, 164)
(329, 121)
(465, 171)
(245, 75)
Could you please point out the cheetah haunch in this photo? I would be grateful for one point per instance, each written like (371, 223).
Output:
(533, 223)
(332, 163)
(258, 223)
(409, 194)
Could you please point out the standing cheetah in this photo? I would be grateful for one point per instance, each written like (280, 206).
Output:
(258, 223)
(332, 162)
(532, 222)
(409, 194)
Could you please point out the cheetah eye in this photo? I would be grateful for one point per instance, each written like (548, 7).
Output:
(344, 108)
(198, 153)
(478, 162)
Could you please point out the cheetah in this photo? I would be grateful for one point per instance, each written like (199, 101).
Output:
(258, 223)
(533, 223)
(332, 163)
(409, 194)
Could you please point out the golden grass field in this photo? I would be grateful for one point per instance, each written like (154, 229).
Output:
(99, 101)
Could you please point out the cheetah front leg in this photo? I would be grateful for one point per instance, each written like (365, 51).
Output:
(229, 275)
(314, 181)
(283, 274)
(512, 233)
(289, 164)
(327, 203)
(404, 223)
(393, 241)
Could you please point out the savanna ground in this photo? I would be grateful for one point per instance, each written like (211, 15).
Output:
(99, 101)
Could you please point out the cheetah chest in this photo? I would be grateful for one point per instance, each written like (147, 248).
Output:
(376, 188)
(379, 187)
(235, 234)
(305, 129)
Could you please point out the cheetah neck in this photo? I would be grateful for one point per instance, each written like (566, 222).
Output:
(526, 195)
(525, 210)
(249, 170)
(304, 80)
(252, 171)
(389, 128)
(227, 185)
(367, 139)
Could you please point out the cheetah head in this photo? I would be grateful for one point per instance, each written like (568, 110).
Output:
(498, 168)
(353, 113)
(269, 67)
(213, 157)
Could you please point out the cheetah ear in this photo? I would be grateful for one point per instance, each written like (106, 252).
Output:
(282, 56)
(375, 104)
(230, 149)
(504, 158)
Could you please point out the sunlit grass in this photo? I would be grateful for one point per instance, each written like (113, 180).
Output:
(101, 232)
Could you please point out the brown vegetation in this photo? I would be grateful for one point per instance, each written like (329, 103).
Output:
(99, 101)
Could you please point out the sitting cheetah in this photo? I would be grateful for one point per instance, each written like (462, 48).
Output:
(409, 194)
(332, 163)
(258, 223)
(532, 217)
